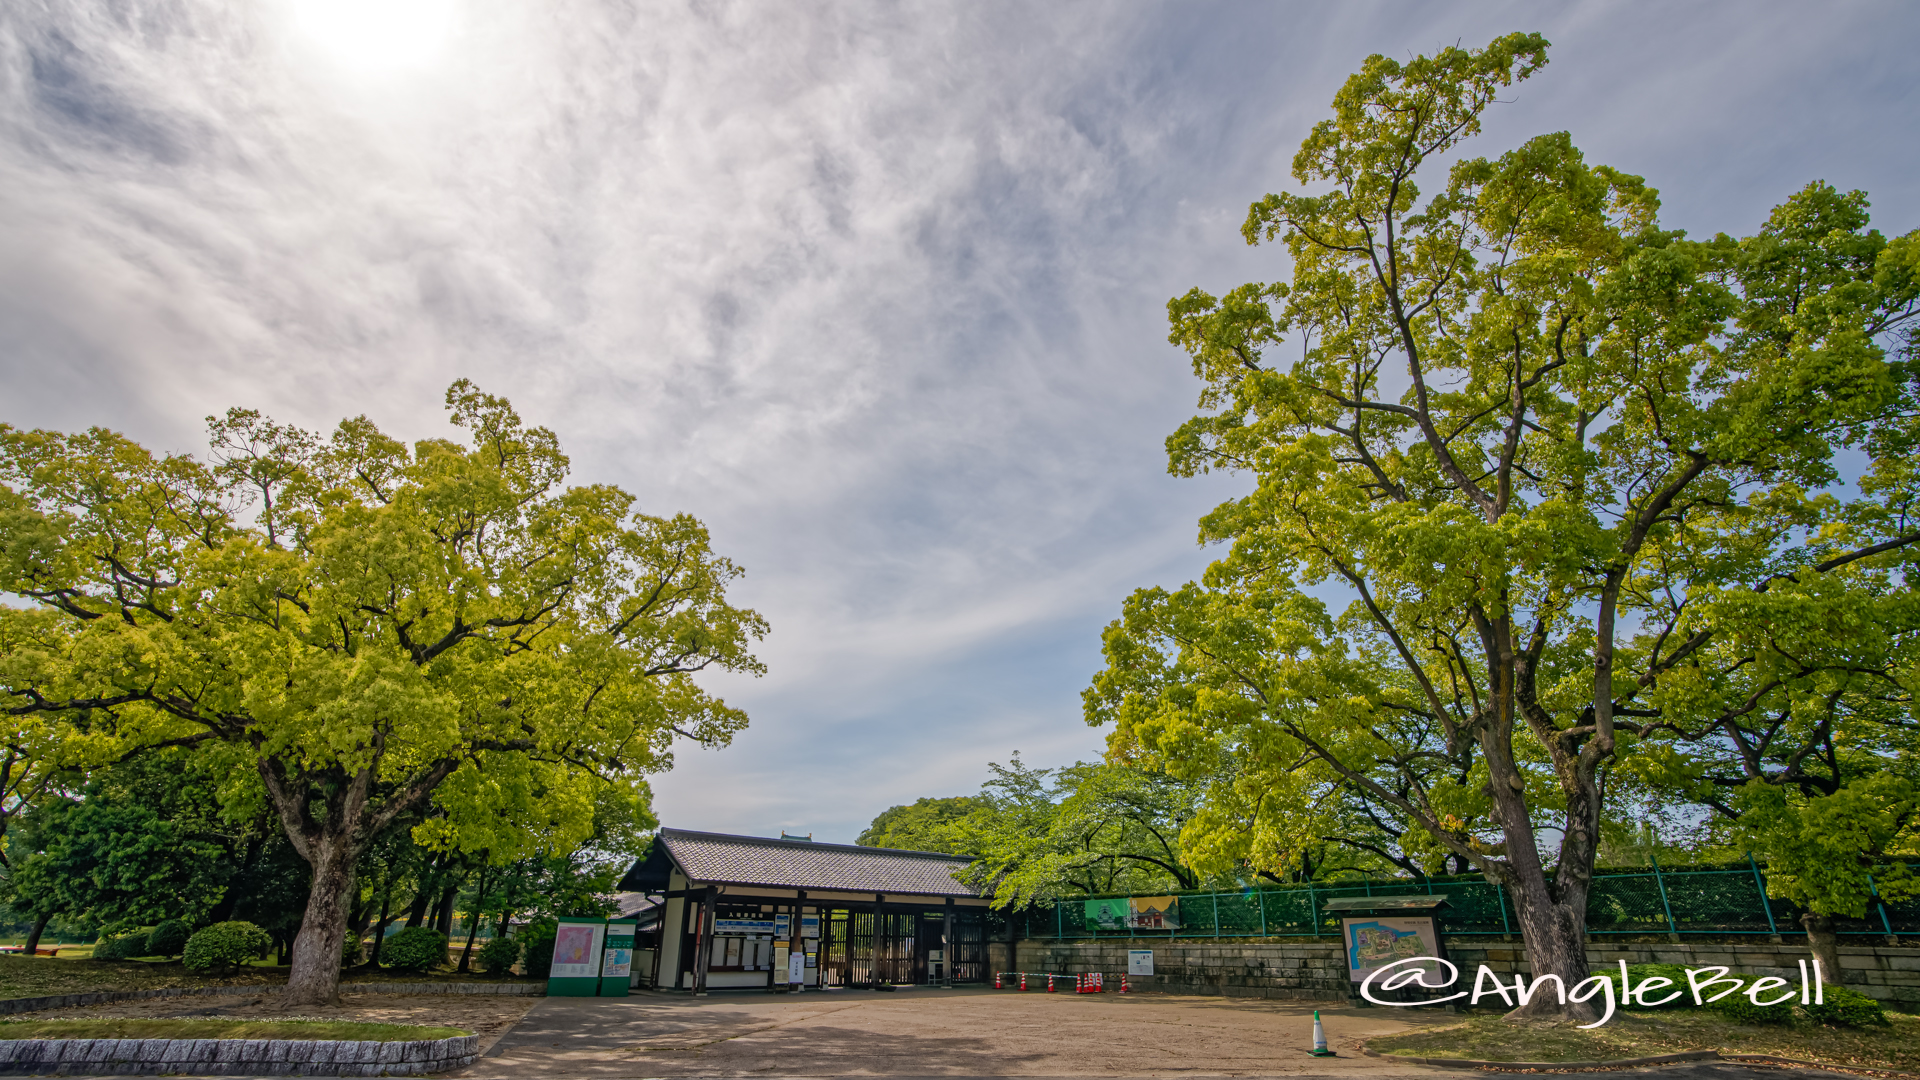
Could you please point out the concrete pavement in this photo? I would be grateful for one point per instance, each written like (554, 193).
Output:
(964, 1033)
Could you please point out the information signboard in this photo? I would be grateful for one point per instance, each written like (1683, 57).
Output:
(1373, 942)
(1139, 961)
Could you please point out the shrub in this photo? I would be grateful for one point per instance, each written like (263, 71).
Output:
(1849, 1008)
(416, 948)
(536, 941)
(1737, 1008)
(1674, 973)
(224, 946)
(121, 948)
(168, 939)
(349, 951)
(499, 955)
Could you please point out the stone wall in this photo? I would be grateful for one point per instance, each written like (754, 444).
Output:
(1315, 969)
(236, 1057)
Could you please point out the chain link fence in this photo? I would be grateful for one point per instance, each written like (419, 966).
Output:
(1729, 900)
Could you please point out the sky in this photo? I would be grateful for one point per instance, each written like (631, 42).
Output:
(877, 291)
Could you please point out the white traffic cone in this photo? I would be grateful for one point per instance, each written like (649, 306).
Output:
(1319, 1038)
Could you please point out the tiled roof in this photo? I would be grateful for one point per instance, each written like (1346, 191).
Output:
(803, 864)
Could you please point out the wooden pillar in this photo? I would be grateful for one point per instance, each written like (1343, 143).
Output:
(796, 943)
(946, 947)
(703, 943)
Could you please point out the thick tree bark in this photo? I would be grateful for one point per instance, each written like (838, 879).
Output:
(315, 977)
(1824, 944)
(33, 935)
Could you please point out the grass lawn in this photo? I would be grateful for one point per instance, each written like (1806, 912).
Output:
(1638, 1033)
(40, 976)
(222, 1029)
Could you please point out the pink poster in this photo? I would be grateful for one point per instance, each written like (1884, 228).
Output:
(573, 948)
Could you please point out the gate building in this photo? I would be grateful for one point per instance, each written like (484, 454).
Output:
(733, 909)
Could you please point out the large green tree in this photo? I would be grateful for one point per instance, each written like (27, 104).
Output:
(1577, 474)
(366, 628)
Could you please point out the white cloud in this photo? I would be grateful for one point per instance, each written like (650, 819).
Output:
(873, 289)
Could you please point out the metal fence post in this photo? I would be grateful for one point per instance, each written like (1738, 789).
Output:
(1313, 910)
(1500, 894)
(1059, 921)
(1216, 914)
(1260, 896)
(1673, 931)
(1773, 931)
(1892, 939)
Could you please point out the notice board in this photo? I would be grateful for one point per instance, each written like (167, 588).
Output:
(1373, 942)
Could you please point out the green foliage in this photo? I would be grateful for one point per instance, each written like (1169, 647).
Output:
(367, 631)
(350, 949)
(124, 947)
(416, 948)
(107, 857)
(1575, 479)
(1677, 980)
(1086, 828)
(169, 938)
(536, 944)
(1848, 1008)
(224, 946)
(922, 826)
(1737, 1008)
(499, 954)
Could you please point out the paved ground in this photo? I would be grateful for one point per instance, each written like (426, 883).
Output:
(964, 1033)
(485, 1014)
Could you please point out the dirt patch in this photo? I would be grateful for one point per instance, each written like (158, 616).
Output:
(486, 1015)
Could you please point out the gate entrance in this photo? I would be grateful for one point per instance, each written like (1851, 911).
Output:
(864, 948)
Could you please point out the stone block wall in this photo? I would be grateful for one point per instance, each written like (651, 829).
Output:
(1314, 969)
(235, 1057)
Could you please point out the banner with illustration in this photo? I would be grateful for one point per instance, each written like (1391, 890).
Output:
(1134, 913)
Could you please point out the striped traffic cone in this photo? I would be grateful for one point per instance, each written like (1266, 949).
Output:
(1023, 980)
(996, 980)
(1050, 988)
(1319, 1038)
(1125, 987)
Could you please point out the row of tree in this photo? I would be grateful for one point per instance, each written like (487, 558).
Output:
(393, 669)
(1556, 516)
(146, 842)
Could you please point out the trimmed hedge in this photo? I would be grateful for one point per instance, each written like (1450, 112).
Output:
(168, 939)
(417, 948)
(1848, 1008)
(223, 947)
(124, 947)
(499, 955)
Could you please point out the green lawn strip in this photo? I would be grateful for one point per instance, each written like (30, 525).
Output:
(1490, 1037)
(30, 977)
(111, 1028)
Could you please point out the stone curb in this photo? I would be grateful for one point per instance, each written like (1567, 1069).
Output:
(235, 1057)
(105, 997)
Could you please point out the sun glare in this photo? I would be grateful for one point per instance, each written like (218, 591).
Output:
(377, 35)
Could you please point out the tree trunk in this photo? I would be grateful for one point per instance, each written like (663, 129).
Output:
(33, 935)
(380, 928)
(473, 920)
(443, 910)
(1824, 944)
(315, 978)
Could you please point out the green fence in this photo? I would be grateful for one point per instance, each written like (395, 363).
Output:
(1655, 901)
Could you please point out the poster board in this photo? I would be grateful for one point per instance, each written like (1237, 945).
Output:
(1372, 942)
(616, 964)
(1139, 961)
(577, 944)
